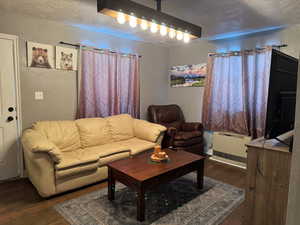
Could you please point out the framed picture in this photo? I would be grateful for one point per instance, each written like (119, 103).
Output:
(40, 55)
(66, 58)
(188, 75)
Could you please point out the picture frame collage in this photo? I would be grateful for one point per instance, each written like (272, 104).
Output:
(51, 57)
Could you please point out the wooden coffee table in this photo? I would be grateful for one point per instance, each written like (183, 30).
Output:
(141, 175)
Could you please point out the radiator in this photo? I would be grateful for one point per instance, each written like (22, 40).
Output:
(230, 148)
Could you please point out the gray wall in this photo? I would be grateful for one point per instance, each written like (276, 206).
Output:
(59, 87)
(190, 99)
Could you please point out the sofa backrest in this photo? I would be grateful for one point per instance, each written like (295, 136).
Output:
(64, 134)
(83, 133)
(121, 127)
(93, 132)
(100, 131)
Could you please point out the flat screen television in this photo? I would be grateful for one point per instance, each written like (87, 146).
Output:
(282, 95)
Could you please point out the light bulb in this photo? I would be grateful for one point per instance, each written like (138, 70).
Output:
(132, 21)
(144, 24)
(154, 27)
(179, 35)
(186, 37)
(172, 33)
(163, 30)
(121, 18)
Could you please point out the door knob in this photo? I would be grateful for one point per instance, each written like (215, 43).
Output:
(10, 118)
(11, 109)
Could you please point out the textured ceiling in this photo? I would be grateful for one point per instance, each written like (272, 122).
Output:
(215, 16)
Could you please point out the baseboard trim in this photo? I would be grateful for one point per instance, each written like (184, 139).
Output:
(230, 156)
(231, 164)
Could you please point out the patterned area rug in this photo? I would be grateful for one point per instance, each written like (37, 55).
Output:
(176, 203)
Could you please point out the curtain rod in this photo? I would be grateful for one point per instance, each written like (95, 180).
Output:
(257, 49)
(98, 49)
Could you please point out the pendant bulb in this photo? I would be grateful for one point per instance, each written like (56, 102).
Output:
(144, 24)
(186, 37)
(154, 27)
(172, 33)
(121, 18)
(132, 21)
(179, 35)
(163, 29)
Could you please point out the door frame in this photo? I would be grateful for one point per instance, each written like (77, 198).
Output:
(15, 40)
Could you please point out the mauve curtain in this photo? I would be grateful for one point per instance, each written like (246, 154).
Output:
(110, 84)
(236, 92)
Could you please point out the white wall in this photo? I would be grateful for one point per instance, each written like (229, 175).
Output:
(190, 99)
(293, 216)
(59, 87)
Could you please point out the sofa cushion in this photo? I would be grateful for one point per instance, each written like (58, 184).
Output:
(93, 132)
(136, 145)
(110, 158)
(176, 124)
(80, 169)
(189, 142)
(76, 158)
(64, 134)
(121, 127)
(168, 116)
(109, 152)
(106, 150)
(181, 135)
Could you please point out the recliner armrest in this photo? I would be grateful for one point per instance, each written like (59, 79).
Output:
(172, 131)
(192, 127)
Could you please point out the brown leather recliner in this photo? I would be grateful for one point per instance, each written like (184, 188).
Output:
(180, 135)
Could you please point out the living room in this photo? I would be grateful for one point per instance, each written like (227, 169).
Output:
(36, 191)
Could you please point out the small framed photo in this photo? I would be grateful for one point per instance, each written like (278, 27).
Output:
(40, 55)
(66, 58)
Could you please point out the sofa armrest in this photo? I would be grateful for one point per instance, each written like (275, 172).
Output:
(39, 164)
(192, 127)
(41, 172)
(37, 143)
(148, 131)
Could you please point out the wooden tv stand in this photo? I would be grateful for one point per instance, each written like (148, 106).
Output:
(267, 184)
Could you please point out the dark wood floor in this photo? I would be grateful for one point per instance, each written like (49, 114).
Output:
(21, 205)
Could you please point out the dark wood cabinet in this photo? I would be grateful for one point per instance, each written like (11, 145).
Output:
(267, 185)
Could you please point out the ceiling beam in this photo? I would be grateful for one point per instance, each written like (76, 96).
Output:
(111, 7)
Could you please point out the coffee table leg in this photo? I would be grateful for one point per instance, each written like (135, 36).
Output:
(200, 175)
(111, 185)
(141, 205)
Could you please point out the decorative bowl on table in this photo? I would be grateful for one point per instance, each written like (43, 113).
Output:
(159, 155)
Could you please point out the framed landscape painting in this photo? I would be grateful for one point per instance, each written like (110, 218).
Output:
(188, 75)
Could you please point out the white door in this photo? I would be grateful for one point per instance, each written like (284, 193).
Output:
(9, 146)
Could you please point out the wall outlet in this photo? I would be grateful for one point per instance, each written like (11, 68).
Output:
(39, 95)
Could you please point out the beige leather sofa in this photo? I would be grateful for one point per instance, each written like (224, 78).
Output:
(63, 155)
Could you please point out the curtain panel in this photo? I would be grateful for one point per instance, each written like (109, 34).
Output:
(236, 92)
(110, 84)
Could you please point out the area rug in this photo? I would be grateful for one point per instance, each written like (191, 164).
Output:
(176, 203)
